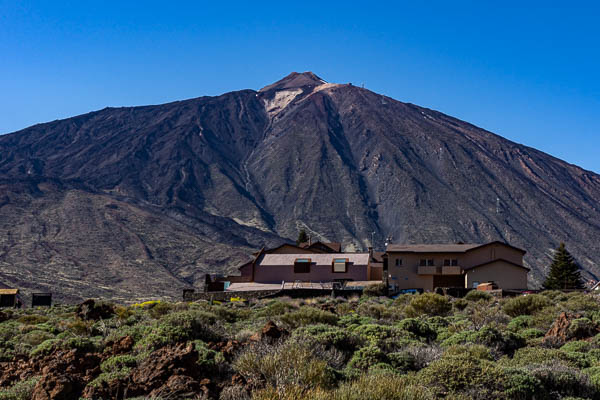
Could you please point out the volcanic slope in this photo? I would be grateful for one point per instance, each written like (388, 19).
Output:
(138, 202)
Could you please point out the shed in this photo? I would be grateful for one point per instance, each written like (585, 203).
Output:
(41, 299)
(8, 297)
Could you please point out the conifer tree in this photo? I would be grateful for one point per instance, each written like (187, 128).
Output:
(302, 237)
(564, 271)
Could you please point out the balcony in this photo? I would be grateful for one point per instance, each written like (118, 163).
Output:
(447, 270)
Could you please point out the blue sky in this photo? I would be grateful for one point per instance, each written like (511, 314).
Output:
(528, 73)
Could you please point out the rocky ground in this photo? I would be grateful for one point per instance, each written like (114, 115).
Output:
(427, 346)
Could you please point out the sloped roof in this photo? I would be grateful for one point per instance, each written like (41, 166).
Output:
(444, 248)
(493, 261)
(9, 291)
(431, 248)
(334, 246)
(319, 259)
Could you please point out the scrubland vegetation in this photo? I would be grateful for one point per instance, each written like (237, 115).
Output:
(415, 347)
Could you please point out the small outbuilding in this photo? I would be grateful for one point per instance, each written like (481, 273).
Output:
(8, 297)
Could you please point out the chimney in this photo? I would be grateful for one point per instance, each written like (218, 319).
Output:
(371, 251)
(309, 240)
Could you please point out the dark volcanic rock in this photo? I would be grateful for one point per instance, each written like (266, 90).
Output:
(143, 201)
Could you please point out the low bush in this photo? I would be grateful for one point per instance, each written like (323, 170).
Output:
(564, 380)
(328, 335)
(525, 305)
(307, 316)
(418, 328)
(377, 289)
(285, 366)
(520, 322)
(367, 357)
(21, 390)
(582, 328)
(478, 295)
(458, 373)
(428, 304)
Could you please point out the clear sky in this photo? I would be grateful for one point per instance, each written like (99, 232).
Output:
(529, 73)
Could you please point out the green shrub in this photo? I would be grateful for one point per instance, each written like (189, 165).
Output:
(475, 351)
(45, 348)
(118, 362)
(554, 295)
(33, 319)
(460, 304)
(308, 316)
(455, 374)
(327, 335)
(520, 322)
(21, 390)
(577, 346)
(477, 295)
(565, 380)
(207, 359)
(581, 303)
(380, 386)
(376, 334)
(518, 383)
(367, 357)
(528, 356)
(418, 327)
(274, 308)
(34, 338)
(582, 328)
(377, 289)
(353, 320)
(506, 342)
(525, 305)
(284, 366)
(428, 304)
(402, 361)
(180, 327)
(532, 333)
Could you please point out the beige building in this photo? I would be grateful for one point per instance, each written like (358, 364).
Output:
(426, 266)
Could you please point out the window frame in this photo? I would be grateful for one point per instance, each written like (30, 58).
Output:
(335, 261)
(302, 265)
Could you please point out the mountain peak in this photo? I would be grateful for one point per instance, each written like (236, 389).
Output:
(295, 80)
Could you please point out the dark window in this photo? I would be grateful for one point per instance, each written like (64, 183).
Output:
(422, 262)
(302, 265)
(398, 262)
(340, 265)
(446, 262)
(430, 263)
(454, 262)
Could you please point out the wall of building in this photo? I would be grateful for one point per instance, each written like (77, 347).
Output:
(506, 276)
(405, 276)
(318, 273)
(491, 252)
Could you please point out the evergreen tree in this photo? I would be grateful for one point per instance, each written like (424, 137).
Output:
(564, 271)
(302, 237)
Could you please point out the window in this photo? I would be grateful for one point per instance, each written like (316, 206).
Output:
(302, 265)
(422, 262)
(446, 262)
(454, 262)
(426, 262)
(398, 262)
(340, 265)
(430, 263)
